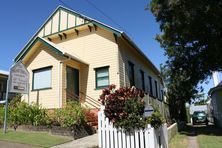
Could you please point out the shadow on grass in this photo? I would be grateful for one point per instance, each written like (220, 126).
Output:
(191, 130)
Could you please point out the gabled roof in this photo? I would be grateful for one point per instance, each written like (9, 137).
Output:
(88, 20)
(56, 49)
(58, 9)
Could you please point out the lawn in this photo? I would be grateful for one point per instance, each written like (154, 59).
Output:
(179, 141)
(41, 139)
(209, 141)
(209, 137)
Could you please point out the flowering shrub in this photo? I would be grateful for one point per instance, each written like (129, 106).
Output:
(124, 106)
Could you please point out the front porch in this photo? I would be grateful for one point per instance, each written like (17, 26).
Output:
(75, 79)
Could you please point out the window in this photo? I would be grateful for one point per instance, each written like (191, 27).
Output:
(151, 87)
(142, 80)
(42, 78)
(156, 88)
(102, 77)
(162, 95)
(131, 73)
(1, 86)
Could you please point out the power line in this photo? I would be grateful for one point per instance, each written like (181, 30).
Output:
(107, 16)
(4, 67)
(103, 13)
(64, 3)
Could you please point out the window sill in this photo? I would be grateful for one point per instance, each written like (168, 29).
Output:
(102, 87)
(41, 89)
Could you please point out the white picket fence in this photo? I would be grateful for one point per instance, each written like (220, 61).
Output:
(112, 137)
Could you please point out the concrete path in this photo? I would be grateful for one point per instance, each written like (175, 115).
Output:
(7, 144)
(86, 142)
(192, 140)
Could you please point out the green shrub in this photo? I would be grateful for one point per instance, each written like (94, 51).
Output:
(71, 115)
(22, 113)
(2, 112)
(156, 119)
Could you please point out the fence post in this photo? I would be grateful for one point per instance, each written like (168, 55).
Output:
(120, 137)
(103, 130)
(100, 130)
(151, 137)
(123, 138)
(141, 138)
(137, 138)
(164, 135)
(147, 136)
(116, 137)
(128, 140)
(111, 129)
(132, 139)
(107, 133)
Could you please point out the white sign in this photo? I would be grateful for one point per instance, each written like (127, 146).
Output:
(19, 79)
(148, 110)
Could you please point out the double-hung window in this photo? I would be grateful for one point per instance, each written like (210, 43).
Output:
(156, 88)
(42, 78)
(131, 73)
(151, 86)
(142, 80)
(102, 77)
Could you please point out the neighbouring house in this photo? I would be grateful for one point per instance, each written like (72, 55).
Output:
(3, 84)
(215, 94)
(73, 56)
(194, 108)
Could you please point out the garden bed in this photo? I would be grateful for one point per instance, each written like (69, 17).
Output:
(75, 132)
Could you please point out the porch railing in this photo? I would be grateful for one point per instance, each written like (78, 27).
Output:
(87, 99)
(91, 101)
(72, 96)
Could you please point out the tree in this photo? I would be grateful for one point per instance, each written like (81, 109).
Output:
(191, 35)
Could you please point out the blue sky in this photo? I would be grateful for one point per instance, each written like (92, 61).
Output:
(21, 19)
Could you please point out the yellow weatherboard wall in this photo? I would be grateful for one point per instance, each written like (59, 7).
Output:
(99, 49)
(43, 57)
(83, 44)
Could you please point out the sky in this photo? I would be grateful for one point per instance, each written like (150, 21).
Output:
(19, 20)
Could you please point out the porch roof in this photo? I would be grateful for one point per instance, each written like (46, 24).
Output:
(65, 54)
(56, 49)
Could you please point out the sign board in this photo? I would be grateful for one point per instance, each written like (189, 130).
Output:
(19, 79)
(148, 110)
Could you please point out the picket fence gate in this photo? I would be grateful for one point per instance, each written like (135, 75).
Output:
(112, 137)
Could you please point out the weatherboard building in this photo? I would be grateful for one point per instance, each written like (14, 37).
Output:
(73, 56)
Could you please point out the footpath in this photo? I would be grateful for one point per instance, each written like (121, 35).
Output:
(86, 142)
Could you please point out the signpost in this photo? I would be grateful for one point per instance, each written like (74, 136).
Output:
(18, 82)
